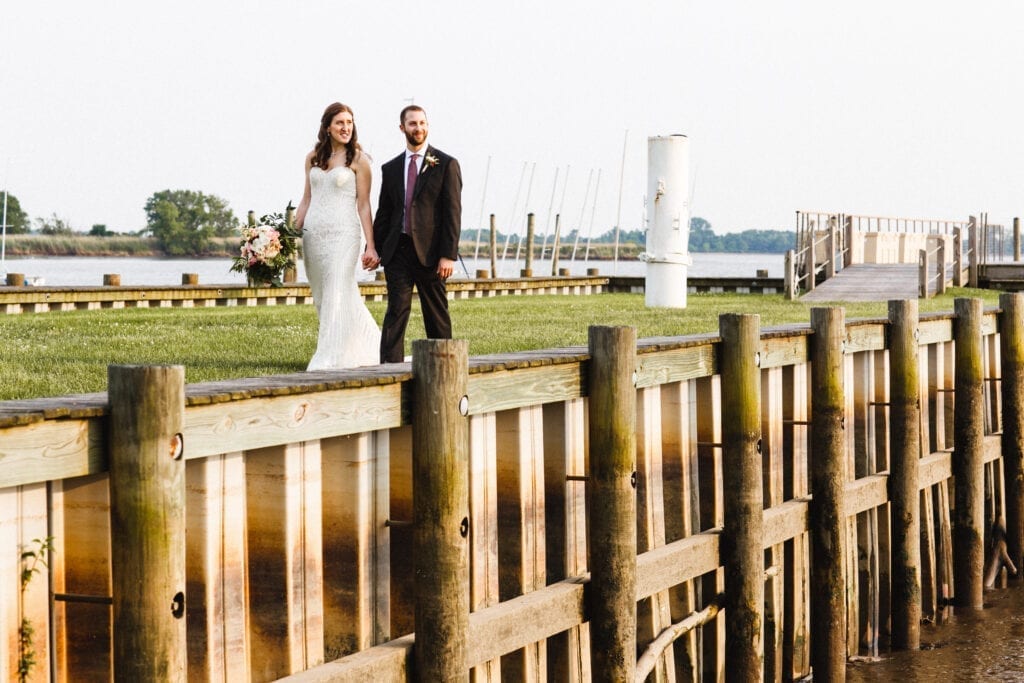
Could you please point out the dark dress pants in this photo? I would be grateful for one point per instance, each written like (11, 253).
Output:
(404, 271)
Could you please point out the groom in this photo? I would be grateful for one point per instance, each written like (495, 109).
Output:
(416, 230)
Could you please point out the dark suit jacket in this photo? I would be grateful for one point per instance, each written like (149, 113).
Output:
(436, 209)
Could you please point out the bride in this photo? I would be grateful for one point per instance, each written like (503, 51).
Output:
(334, 219)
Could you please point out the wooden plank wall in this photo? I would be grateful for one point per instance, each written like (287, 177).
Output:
(298, 544)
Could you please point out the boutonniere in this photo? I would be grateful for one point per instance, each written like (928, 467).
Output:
(431, 160)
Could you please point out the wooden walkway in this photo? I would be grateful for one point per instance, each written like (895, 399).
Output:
(869, 282)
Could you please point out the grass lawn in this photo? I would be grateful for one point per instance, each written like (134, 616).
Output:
(51, 354)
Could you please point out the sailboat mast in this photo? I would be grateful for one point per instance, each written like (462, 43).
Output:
(618, 212)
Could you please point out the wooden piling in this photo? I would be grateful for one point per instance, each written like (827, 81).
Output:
(147, 511)
(827, 510)
(528, 268)
(15, 279)
(789, 276)
(968, 472)
(190, 278)
(1016, 239)
(922, 273)
(1011, 354)
(940, 258)
(958, 257)
(742, 541)
(612, 502)
(974, 249)
(554, 247)
(111, 280)
(904, 489)
(440, 454)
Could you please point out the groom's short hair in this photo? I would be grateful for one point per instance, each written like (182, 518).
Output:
(411, 107)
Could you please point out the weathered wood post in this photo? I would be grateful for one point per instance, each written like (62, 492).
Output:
(742, 545)
(828, 503)
(973, 252)
(528, 268)
(147, 521)
(831, 241)
(251, 218)
(440, 471)
(904, 490)
(554, 246)
(190, 278)
(1011, 354)
(958, 257)
(15, 279)
(811, 260)
(612, 502)
(789, 276)
(1016, 239)
(111, 280)
(968, 468)
(940, 258)
(494, 248)
(849, 253)
(922, 273)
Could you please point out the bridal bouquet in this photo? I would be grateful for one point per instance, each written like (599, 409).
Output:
(266, 250)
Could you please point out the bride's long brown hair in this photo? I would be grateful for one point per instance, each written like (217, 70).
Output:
(322, 149)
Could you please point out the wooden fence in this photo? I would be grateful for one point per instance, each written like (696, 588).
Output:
(266, 528)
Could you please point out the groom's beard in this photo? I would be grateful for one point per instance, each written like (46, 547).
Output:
(416, 139)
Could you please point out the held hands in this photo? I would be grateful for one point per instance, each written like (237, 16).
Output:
(370, 258)
(445, 268)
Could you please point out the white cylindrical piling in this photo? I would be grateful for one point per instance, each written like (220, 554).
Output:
(668, 220)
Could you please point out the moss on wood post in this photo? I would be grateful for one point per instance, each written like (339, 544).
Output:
(612, 502)
(742, 540)
(1011, 353)
(440, 470)
(828, 504)
(904, 489)
(968, 468)
(147, 516)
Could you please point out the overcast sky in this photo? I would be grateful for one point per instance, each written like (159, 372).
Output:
(909, 109)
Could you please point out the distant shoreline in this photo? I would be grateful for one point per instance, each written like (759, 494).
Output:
(41, 246)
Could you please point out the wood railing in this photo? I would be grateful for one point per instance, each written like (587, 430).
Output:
(303, 545)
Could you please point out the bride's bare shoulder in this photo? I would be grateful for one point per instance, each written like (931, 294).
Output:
(361, 162)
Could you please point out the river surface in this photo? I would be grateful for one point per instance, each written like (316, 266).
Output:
(973, 645)
(72, 271)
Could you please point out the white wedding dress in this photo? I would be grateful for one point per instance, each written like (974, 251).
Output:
(332, 240)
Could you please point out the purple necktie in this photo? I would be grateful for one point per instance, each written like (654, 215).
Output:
(410, 185)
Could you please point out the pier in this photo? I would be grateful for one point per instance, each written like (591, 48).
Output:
(637, 505)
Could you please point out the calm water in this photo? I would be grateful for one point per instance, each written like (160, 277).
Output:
(63, 271)
(986, 645)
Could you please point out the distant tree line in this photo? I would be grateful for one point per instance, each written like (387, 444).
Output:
(702, 239)
(183, 222)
